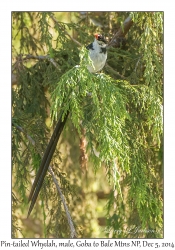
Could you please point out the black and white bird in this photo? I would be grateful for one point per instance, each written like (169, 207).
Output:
(98, 55)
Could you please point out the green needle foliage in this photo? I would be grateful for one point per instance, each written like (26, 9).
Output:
(119, 110)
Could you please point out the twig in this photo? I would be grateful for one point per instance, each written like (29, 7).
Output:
(28, 57)
(114, 71)
(47, 57)
(35, 57)
(23, 131)
(70, 222)
(137, 64)
(54, 63)
(121, 32)
(73, 39)
(72, 228)
(14, 80)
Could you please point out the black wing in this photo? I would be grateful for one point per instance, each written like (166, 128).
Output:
(90, 46)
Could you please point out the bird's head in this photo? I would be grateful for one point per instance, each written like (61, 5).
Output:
(100, 40)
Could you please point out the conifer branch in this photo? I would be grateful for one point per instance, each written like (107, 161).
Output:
(47, 57)
(28, 57)
(24, 132)
(13, 79)
(70, 222)
(114, 71)
(121, 113)
(120, 34)
(73, 39)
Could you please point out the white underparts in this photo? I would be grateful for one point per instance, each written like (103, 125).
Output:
(97, 56)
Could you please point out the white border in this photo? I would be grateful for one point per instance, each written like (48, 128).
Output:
(5, 95)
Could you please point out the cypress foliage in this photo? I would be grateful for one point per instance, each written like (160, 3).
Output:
(116, 116)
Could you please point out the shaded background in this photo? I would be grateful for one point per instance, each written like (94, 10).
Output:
(97, 208)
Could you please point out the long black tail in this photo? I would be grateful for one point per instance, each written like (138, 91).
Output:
(46, 161)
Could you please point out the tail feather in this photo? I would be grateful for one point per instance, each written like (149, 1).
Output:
(46, 161)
